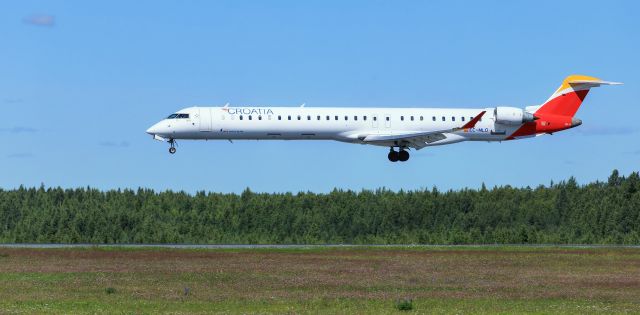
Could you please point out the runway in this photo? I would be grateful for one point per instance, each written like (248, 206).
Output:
(303, 246)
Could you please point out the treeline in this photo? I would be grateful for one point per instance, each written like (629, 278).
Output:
(562, 213)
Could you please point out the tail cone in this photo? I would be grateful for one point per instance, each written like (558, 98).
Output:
(575, 122)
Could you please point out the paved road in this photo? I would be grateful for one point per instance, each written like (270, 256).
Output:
(250, 246)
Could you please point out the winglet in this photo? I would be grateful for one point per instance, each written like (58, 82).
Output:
(472, 122)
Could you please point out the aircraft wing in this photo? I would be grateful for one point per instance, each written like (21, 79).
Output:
(419, 140)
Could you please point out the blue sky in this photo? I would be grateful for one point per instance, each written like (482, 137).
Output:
(82, 80)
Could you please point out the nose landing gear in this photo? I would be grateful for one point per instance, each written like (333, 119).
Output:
(172, 149)
(402, 155)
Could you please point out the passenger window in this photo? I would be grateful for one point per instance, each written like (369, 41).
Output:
(279, 117)
(387, 118)
(289, 117)
(240, 117)
(355, 117)
(318, 117)
(336, 117)
(443, 119)
(299, 117)
(346, 117)
(308, 117)
(462, 118)
(453, 118)
(411, 118)
(328, 118)
(375, 118)
(421, 118)
(249, 117)
(259, 117)
(433, 118)
(364, 118)
(402, 118)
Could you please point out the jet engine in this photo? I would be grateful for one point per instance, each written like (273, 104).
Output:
(512, 116)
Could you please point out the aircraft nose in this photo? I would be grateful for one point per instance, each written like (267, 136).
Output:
(153, 129)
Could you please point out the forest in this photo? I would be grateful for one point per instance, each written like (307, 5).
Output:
(560, 213)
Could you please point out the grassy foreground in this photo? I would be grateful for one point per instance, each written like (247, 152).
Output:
(333, 280)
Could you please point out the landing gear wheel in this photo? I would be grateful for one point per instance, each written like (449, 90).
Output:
(403, 156)
(172, 149)
(393, 156)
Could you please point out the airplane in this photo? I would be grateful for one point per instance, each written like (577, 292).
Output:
(401, 128)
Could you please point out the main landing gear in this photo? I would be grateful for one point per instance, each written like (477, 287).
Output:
(172, 149)
(402, 155)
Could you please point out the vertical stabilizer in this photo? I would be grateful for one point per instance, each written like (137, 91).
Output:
(569, 96)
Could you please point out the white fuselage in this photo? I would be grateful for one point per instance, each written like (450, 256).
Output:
(328, 123)
(401, 128)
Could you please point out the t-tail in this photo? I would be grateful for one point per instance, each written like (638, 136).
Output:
(569, 96)
(558, 112)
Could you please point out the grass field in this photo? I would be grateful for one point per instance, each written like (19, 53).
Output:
(318, 280)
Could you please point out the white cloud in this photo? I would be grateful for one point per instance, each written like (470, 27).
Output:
(40, 20)
(20, 155)
(111, 144)
(12, 100)
(595, 130)
(19, 129)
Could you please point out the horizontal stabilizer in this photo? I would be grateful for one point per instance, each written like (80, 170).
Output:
(594, 82)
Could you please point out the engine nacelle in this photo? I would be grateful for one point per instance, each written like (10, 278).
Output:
(512, 116)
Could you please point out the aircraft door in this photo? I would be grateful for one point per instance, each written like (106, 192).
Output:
(205, 118)
(387, 121)
(374, 121)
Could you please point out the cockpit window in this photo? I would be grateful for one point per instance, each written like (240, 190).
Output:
(174, 116)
